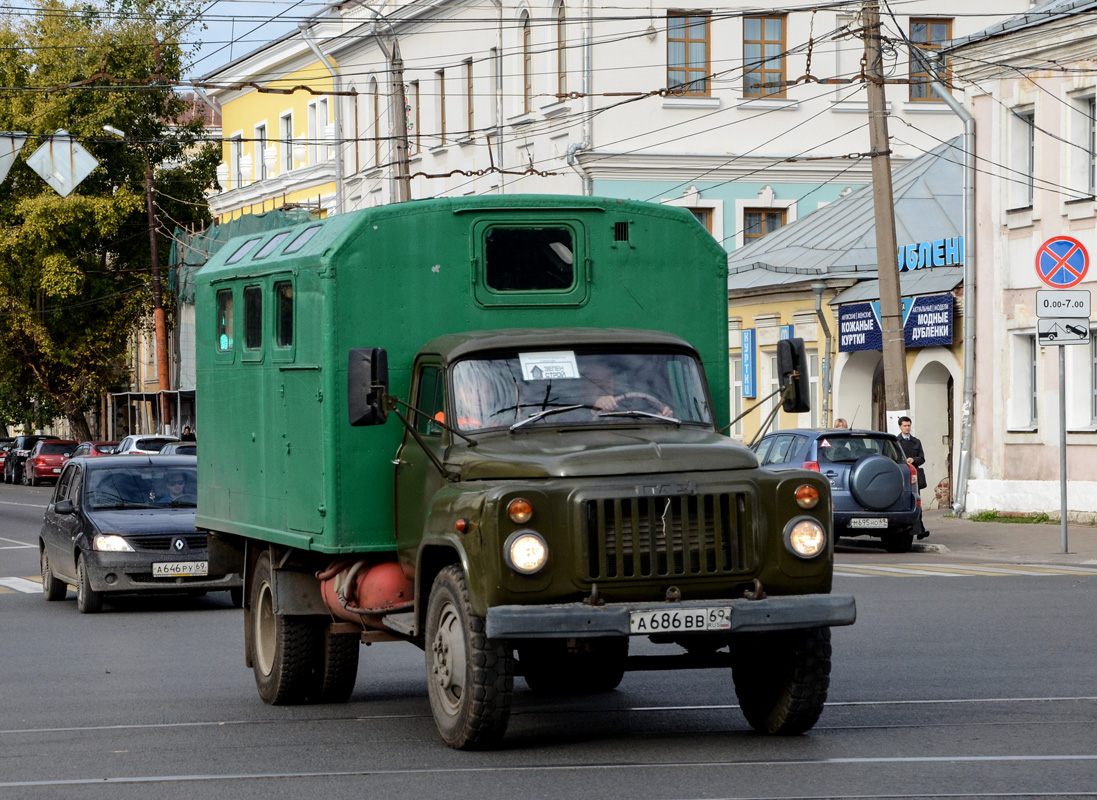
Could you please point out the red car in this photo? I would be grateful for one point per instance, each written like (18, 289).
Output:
(45, 461)
(88, 449)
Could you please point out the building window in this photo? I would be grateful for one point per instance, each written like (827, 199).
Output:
(527, 64)
(470, 104)
(687, 54)
(774, 388)
(927, 35)
(704, 216)
(236, 154)
(1022, 158)
(1091, 172)
(813, 387)
(757, 222)
(440, 75)
(375, 121)
(416, 128)
(1033, 382)
(260, 151)
(763, 56)
(285, 136)
(317, 125)
(1093, 377)
(561, 53)
(356, 110)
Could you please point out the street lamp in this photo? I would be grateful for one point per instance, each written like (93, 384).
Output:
(158, 320)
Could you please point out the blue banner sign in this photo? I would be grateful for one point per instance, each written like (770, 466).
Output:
(927, 322)
(938, 253)
(750, 370)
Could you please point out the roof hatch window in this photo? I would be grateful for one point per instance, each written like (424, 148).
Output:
(529, 259)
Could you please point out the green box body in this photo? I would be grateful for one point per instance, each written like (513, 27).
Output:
(281, 465)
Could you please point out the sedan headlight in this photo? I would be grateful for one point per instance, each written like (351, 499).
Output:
(109, 543)
(526, 552)
(805, 537)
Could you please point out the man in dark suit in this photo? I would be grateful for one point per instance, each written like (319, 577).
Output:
(916, 457)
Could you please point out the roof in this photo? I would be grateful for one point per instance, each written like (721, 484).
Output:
(919, 282)
(839, 240)
(1037, 15)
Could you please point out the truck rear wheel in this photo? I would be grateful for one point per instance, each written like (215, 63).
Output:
(339, 670)
(470, 678)
(781, 679)
(285, 648)
(581, 666)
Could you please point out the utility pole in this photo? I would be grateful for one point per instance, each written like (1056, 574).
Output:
(159, 324)
(400, 124)
(896, 398)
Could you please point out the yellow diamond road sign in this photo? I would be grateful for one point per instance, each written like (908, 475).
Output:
(62, 162)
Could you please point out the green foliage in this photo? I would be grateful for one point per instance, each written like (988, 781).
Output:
(993, 515)
(74, 271)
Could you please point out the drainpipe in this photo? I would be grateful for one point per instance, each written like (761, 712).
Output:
(588, 103)
(819, 288)
(337, 96)
(964, 467)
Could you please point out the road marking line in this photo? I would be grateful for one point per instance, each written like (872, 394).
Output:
(21, 585)
(15, 542)
(953, 570)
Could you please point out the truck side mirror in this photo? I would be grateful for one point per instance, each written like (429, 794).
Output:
(793, 372)
(367, 385)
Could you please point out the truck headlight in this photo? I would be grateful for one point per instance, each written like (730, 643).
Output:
(110, 543)
(805, 537)
(526, 552)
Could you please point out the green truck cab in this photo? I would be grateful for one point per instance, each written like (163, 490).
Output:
(491, 427)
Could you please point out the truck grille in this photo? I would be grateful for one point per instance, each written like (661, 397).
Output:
(655, 537)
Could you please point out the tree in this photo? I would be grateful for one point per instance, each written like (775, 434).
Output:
(74, 271)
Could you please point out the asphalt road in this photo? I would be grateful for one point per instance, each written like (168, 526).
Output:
(949, 685)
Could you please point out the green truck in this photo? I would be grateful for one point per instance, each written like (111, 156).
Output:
(493, 427)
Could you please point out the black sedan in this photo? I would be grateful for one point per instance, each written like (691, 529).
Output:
(125, 524)
(874, 490)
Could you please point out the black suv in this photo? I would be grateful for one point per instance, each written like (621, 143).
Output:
(20, 449)
(874, 490)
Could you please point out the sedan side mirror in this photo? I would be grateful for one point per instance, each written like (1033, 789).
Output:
(64, 507)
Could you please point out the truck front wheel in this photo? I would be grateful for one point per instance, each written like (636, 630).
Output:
(781, 679)
(285, 649)
(470, 678)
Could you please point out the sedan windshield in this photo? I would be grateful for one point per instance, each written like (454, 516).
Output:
(140, 486)
(568, 387)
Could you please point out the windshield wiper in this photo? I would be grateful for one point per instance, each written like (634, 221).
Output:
(545, 413)
(635, 413)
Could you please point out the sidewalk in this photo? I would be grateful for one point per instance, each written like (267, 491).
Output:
(1008, 542)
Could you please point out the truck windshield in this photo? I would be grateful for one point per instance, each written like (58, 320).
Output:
(579, 388)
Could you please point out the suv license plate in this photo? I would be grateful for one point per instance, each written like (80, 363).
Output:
(868, 522)
(175, 569)
(684, 620)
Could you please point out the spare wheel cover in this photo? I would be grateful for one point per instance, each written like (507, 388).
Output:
(876, 482)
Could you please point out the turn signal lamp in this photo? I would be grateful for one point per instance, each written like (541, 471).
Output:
(805, 537)
(807, 496)
(526, 552)
(461, 525)
(520, 511)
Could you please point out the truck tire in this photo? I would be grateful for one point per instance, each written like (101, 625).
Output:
(470, 678)
(88, 601)
(588, 666)
(339, 670)
(52, 588)
(286, 650)
(781, 679)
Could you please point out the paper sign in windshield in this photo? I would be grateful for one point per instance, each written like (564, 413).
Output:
(559, 365)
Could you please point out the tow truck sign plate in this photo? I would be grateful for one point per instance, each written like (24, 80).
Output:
(1063, 331)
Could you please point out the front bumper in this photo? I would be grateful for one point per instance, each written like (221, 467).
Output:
(577, 620)
(132, 573)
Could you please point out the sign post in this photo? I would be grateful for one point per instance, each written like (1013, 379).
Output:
(1061, 263)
